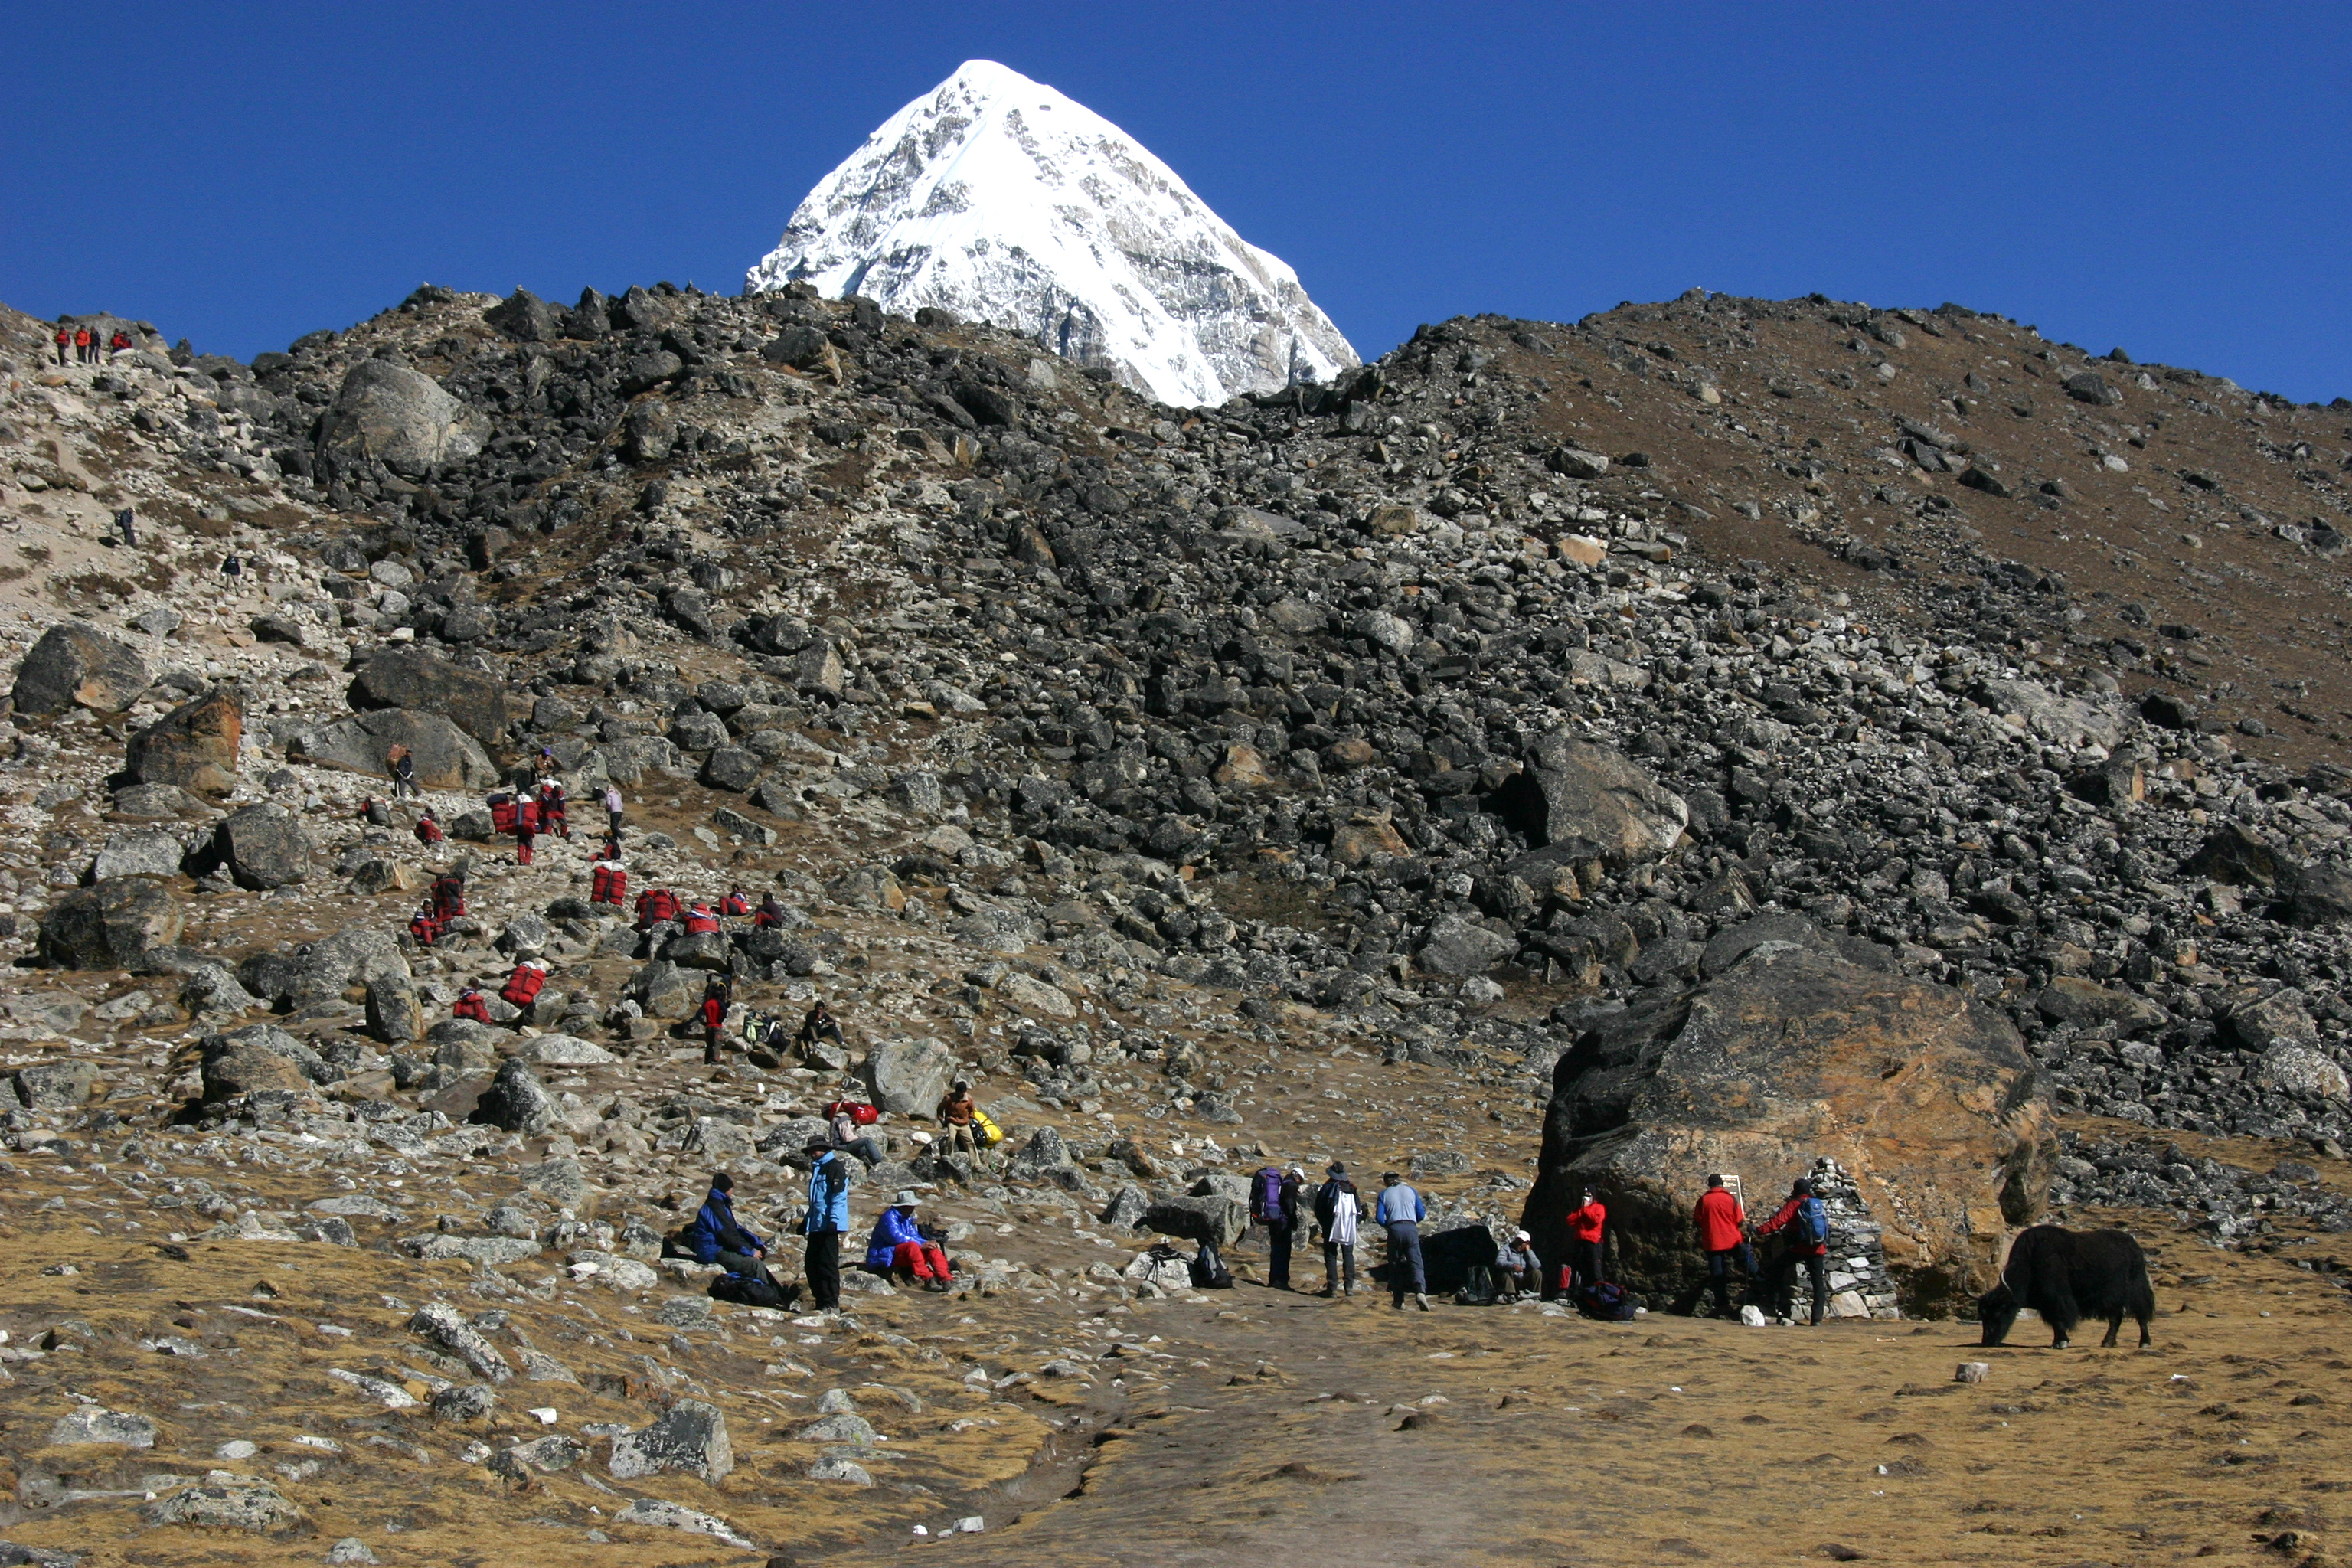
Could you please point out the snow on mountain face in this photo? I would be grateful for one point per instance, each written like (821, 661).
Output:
(1002, 201)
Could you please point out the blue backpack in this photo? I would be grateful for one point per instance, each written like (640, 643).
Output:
(1813, 1222)
(1608, 1302)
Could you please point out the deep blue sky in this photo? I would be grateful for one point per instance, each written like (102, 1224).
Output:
(2169, 178)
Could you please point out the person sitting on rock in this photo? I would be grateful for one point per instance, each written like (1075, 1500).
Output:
(701, 920)
(423, 927)
(718, 1236)
(819, 1026)
(898, 1246)
(428, 829)
(734, 905)
(472, 1004)
(850, 1141)
(1521, 1270)
(769, 915)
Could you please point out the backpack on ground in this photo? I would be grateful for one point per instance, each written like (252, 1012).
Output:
(1210, 1273)
(1608, 1302)
(1813, 1222)
(750, 1291)
(1481, 1290)
(991, 1135)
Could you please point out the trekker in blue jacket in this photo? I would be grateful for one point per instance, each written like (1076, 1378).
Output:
(828, 1216)
(898, 1244)
(718, 1236)
(1402, 1211)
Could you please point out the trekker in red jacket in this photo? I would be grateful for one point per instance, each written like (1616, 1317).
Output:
(1806, 1222)
(1585, 1225)
(716, 1000)
(1720, 1222)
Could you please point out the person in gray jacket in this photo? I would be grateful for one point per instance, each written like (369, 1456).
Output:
(1401, 1213)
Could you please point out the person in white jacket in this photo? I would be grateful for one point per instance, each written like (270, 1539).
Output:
(1337, 1212)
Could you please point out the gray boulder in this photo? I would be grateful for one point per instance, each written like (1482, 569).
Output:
(96, 1424)
(263, 847)
(444, 756)
(1590, 801)
(413, 678)
(1457, 946)
(691, 1437)
(526, 317)
(909, 1078)
(75, 665)
(517, 1101)
(56, 1086)
(112, 925)
(257, 1057)
(395, 1013)
(144, 852)
(324, 970)
(439, 1323)
(253, 1506)
(1212, 1220)
(400, 417)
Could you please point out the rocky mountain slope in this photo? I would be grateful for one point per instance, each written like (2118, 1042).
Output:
(1406, 771)
(997, 199)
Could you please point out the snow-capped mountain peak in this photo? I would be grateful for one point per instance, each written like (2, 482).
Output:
(1002, 200)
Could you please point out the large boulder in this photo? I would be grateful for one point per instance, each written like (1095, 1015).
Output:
(1457, 946)
(323, 970)
(1212, 1219)
(195, 746)
(142, 852)
(517, 1101)
(75, 665)
(911, 1077)
(525, 317)
(402, 417)
(257, 1058)
(413, 678)
(262, 846)
(112, 925)
(1586, 801)
(445, 757)
(1922, 1094)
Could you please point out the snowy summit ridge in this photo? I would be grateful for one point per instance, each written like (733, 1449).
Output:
(1002, 200)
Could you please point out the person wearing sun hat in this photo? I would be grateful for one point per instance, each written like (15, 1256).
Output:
(898, 1246)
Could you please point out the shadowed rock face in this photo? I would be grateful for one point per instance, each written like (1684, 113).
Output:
(1922, 1094)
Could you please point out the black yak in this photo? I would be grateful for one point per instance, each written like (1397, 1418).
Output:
(2068, 1276)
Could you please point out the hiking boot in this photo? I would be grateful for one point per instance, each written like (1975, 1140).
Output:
(1420, 1300)
(1327, 1292)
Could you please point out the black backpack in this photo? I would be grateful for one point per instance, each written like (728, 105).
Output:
(1209, 1273)
(750, 1291)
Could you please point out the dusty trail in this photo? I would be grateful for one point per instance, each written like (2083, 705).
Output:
(1331, 1433)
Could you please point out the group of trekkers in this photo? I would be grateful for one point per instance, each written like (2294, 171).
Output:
(89, 347)
(1281, 1204)
(899, 1246)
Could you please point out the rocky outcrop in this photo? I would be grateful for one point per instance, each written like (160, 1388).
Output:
(195, 746)
(401, 418)
(112, 925)
(413, 678)
(1922, 1094)
(75, 665)
(445, 756)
